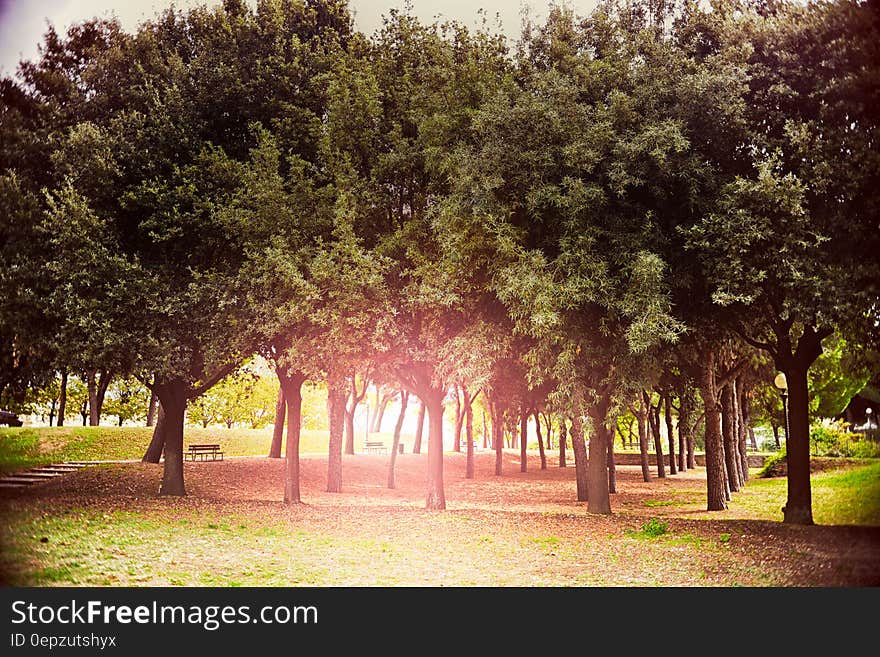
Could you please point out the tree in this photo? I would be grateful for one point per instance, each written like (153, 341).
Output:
(404, 402)
(154, 195)
(571, 261)
(791, 273)
(127, 399)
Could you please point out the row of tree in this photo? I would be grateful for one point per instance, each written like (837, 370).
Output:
(658, 196)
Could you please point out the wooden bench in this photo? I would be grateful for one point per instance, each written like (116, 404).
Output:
(202, 452)
(374, 447)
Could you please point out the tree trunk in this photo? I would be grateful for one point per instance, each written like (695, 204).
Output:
(690, 438)
(580, 459)
(540, 440)
(278, 427)
(743, 426)
(670, 434)
(404, 400)
(737, 435)
(728, 432)
(51, 412)
(548, 424)
(612, 470)
(682, 433)
(654, 422)
(597, 481)
(485, 431)
(642, 419)
(291, 385)
(377, 403)
(798, 507)
(62, 399)
(459, 421)
(173, 397)
(380, 413)
(497, 436)
(349, 430)
(151, 409)
(727, 495)
(523, 438)
(103, 383)
(775, 435)
(336, 399)
(420, 426)
(469, 432)
(92, 389)
(436, 497)
(157, 444)
(563, 438)
(355, 398)
(96, 383)
(684, 419)
(715, 488)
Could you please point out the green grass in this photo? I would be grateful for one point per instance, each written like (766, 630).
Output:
(26, 447)
(88, 547)
(654, 503)
(849, 496)
(651, 528)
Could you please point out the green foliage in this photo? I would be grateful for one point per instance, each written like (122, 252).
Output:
(127, 399)
(836, 377)
(772, 462)
(650, 529)
(833, 438)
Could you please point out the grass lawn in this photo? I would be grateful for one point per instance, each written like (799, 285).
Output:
(25, 447)
(850, 496)
(106, 526)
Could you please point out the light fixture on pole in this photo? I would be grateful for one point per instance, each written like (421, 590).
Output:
(868, 425)
(782, 385)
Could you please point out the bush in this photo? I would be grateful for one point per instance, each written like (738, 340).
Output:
(861, 447)
(771, 464)
(767, 444)
(833, 438)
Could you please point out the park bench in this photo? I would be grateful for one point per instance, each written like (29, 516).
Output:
(374, 447)
(203, 452)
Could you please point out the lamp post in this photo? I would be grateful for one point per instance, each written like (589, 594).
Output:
(782, 385)
(869, 429)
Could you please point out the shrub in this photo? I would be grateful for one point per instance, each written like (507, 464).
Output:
(771, 465)
(833, 438)
(767, 444)
(861, 447)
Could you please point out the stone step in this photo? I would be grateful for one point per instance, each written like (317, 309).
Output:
(17, 480)
(54, 470)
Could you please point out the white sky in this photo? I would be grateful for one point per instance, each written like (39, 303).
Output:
(23, 22)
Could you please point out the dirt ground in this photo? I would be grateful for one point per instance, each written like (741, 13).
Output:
(520, 529)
